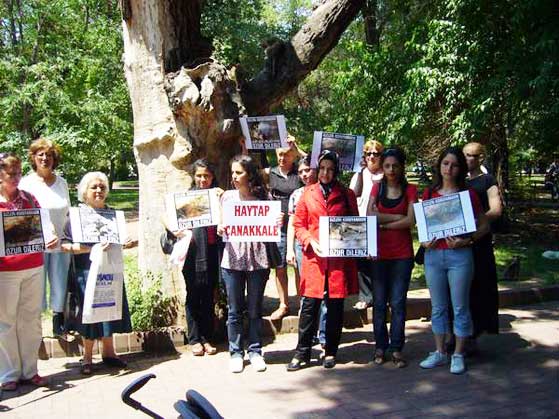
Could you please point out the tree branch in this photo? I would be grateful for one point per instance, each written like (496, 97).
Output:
(288, 63)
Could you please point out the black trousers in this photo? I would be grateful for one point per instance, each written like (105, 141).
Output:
(200, 288)
(308, 325)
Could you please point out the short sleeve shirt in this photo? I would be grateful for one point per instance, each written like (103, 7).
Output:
(242, 256)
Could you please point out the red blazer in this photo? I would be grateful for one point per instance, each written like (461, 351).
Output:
(342, 272)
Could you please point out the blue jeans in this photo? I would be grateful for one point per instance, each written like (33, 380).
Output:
(450, 269)
(235, 283)
(391, 281)
(56, 270)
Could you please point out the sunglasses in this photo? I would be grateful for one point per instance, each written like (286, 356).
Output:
(373, 153)
(475, 156)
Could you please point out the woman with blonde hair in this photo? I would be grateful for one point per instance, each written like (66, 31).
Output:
(362, 184)
(51, 190)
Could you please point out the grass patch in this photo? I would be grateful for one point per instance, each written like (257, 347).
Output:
(532, 264)
(124, 199)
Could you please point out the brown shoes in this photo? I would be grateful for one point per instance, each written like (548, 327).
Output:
(209, 349)
(199, 349)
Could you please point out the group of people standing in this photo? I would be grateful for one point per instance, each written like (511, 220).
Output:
(460, 271)
(23, 277)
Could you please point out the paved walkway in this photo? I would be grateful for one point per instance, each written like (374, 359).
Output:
(516, 376)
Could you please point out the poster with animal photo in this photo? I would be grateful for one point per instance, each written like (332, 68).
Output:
(264, 132)
(348, 236)
(24, 231)
(191, 209)
(349, 148)
(445, 216)
(97, 225)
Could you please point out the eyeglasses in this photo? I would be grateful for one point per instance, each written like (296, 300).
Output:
(373, 153)
(475, 156)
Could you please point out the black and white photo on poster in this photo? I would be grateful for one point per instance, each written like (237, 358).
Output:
(91, 225)
(445, 216)
(348, 236)
(24, 231)
(348, 147)
(264, 132)
(191, 209)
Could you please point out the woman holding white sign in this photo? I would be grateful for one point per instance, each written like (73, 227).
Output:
(245, 264)
(93, 190)
(392, 203)
(449, 265)
(322, 278)
(201, 270)
(21, 289)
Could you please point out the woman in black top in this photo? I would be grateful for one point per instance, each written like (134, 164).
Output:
(484, 296)
(283, 180)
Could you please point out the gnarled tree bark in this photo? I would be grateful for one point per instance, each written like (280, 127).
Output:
(186, 105)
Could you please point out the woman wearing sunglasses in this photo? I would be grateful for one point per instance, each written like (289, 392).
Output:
(362, 184)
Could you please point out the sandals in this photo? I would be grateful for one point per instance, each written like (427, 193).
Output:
(197, 349)
(209, 349)
(9, 386)
(398, 361)
(378, 358)
(280, 313)
(36, 381)
(86, 369)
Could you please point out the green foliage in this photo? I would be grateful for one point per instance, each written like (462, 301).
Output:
(444, 72)
(149, 307)
(61, 77)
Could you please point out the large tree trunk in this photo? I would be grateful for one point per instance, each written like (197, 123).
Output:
(187, 106)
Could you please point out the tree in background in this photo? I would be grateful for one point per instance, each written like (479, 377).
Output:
(186, 103)
(61, 77)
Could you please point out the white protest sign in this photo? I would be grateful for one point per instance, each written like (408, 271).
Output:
(445, 216)
(24, 231)
(264, 132)
(251, 221)
(91, 225)
(348, 147)
(348, 236)
(191, 209)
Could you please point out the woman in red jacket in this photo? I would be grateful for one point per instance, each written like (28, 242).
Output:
(331, 279)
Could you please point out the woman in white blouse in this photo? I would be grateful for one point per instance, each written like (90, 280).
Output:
(51, 190)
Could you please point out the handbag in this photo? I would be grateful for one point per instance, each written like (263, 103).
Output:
(273, 255)
(419, 257)
(72, 306)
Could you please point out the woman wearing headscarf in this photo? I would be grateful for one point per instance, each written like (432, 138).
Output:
(322, 278)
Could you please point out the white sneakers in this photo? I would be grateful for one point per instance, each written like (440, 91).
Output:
(457, 365)
(435, 359)
(257, 361)
(236, 363)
